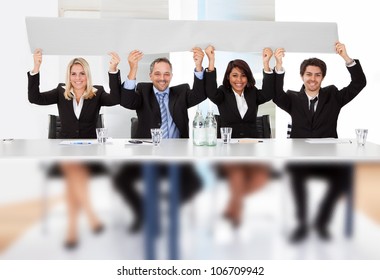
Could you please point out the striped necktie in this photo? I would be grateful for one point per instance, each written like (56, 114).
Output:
(164, 115)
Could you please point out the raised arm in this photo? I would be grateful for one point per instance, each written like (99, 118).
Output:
(210, 52)
(129, 98)
(267, 55)
(114, 62)
(341, 50)
(113, 98)
(133, 60)
(281, 99)
(212, 92)
(37, 58)
(198, 58)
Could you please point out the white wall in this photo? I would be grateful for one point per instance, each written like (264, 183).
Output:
(18, 118)
(357, 21)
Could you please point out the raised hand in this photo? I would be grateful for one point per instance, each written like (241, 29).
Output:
(267, 54)
(278, 55)
(210, 52)
(198, 58)
(133, 60)
(37, 58)
(114, 62)
(341, 50)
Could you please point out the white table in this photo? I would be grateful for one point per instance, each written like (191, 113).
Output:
(173, 151)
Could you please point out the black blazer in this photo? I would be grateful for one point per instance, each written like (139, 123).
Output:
(225, 99)
(330, 101)
(144, 101)
(71, 127)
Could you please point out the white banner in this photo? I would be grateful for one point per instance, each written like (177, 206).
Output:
(74, 36)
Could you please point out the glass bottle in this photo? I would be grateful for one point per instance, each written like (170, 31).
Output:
(210, 125)
(199, 132)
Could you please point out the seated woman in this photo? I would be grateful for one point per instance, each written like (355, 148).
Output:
(78, 103)
(238, 100)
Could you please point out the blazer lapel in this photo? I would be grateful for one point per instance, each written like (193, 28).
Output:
(305, 104)
(250, 98)
(172, 101)
(230, 97)
(322, 99)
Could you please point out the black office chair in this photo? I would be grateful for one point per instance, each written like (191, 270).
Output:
(134, 124)
(55, 125)
(262, 126)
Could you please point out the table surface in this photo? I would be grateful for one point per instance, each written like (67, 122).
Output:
(183, 149)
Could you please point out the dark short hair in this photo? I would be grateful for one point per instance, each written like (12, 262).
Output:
(243, 66)
(313, 62)
(158, 60)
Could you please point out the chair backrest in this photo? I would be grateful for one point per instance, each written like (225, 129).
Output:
(55, 125)
(289, 130)
(262, 126)
(134, 124)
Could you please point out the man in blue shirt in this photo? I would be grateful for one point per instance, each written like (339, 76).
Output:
(159, 106)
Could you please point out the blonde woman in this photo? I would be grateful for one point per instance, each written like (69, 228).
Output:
(78, 102)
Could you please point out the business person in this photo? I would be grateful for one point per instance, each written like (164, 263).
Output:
(159, 105)
(78, 103)
(314, 111)
(238, 99)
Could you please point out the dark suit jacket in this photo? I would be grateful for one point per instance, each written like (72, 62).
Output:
(330, 101)
(229, 114)
(71, 127)
(144, 101)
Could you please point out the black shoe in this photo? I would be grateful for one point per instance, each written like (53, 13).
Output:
(70, 245)
(323, 233)
(99, 229)
(299, 234)
(135, 227)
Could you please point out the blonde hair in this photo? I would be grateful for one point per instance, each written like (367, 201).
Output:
(89, 91)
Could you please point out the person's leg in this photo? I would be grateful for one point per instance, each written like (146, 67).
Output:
(236, 176)
(298, 176)
(77, 177)
(338, 178)
(125, 184)
(257, 176)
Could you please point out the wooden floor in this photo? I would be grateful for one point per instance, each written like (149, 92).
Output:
(16, 218)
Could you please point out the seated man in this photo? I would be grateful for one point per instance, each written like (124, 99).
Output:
(314, 111)
(159, 106)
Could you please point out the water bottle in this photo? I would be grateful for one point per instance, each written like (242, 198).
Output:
(199, 133)
(210, 125)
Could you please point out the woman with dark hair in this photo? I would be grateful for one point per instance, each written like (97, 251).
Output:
(238, 100)
(79, 103)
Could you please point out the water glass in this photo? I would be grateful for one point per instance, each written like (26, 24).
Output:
(156, 136)
(225, 134)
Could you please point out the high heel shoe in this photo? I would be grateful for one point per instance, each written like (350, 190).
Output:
(71, 244)
(99, 229)
(235, 221)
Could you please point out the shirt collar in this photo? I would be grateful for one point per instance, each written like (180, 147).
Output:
(237, 95)
(73, 94)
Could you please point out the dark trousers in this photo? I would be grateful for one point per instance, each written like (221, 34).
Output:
(129, 173)
(338, 176)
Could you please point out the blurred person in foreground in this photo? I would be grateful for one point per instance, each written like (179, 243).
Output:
(314, 111)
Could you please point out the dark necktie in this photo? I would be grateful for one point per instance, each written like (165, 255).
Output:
(164, 116)
(312, 105)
